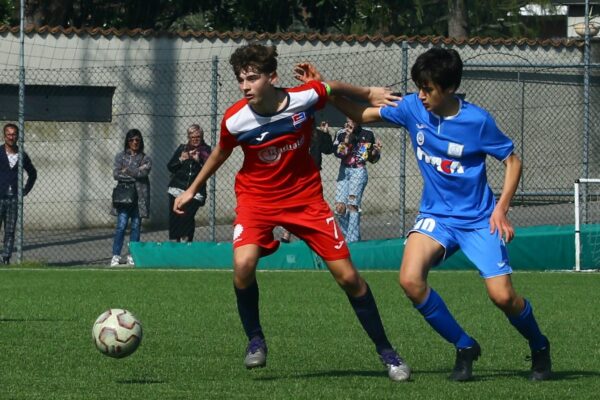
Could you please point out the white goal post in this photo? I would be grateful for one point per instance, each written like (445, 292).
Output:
(585, 215)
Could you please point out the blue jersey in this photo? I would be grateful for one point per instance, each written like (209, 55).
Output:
(451, 153)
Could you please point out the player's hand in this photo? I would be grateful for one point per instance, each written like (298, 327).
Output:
(306, 72)
(499, 222)
(382, 96)
(181, 201)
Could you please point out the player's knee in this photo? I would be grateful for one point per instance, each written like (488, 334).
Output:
(349, 281)
(340, 208)
(414, 289)
(504, 300)
(244, 271)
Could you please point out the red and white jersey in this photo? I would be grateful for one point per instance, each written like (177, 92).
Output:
(278, 170)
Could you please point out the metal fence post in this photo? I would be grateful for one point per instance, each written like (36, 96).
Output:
(586, 104)
(214, 88)
(522, 128)
(403, 153)
(21, 138)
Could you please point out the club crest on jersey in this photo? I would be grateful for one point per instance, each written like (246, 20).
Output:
(455, 149)
(269, 155)
(420, 138)
(298, 118)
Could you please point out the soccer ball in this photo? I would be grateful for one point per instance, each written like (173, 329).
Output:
(117, 333)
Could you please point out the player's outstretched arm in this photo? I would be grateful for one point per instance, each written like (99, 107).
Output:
(499, 220)
(357, 112)
(212, 164)
(376, 96)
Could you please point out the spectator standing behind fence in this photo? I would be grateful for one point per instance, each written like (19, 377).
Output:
(321, 143)
(9, 169)
(131, 165)
(185, 164)
(355, 146)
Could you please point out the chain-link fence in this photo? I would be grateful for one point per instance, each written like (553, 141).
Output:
(536, 96)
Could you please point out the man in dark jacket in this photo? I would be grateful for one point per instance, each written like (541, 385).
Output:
(9, 160)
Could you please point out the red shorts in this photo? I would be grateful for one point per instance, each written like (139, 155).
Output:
(313, 223)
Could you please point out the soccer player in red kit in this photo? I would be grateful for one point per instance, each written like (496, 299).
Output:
(280, 185)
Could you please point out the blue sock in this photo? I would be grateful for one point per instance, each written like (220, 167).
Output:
(527, 326)
(247, 303)
(437, 315)
(368, 315)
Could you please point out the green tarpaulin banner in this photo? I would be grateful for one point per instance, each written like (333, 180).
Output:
(534, 248)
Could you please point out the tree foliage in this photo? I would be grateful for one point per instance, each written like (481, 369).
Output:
(459, 18)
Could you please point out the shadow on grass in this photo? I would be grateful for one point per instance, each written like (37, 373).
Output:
(140, 381)
(325, 374)
(481, 376)
(8, 319)
(491, 375)
(556, 375)
(570, 375)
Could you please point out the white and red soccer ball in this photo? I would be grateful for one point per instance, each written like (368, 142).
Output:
(117, 333)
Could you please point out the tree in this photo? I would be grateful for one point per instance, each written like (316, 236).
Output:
(454, 18)
(457, 19)
(49, 12)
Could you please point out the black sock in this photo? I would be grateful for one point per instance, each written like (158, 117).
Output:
(247, 303)
(368, 315)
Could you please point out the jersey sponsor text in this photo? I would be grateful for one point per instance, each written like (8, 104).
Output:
(442, 165)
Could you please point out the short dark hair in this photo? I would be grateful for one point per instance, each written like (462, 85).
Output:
(11, 125)
(439, 66)
(261, 58)
(131, 134)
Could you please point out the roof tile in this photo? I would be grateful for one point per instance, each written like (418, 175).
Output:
(297, 36)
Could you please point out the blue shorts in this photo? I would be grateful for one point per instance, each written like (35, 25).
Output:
(487, 251)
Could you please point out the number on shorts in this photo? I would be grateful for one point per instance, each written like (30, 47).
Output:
(426, 224)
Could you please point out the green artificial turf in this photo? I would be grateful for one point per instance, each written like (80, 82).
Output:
(193, 342)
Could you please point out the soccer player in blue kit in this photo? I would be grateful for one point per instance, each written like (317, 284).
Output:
(451, 139)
